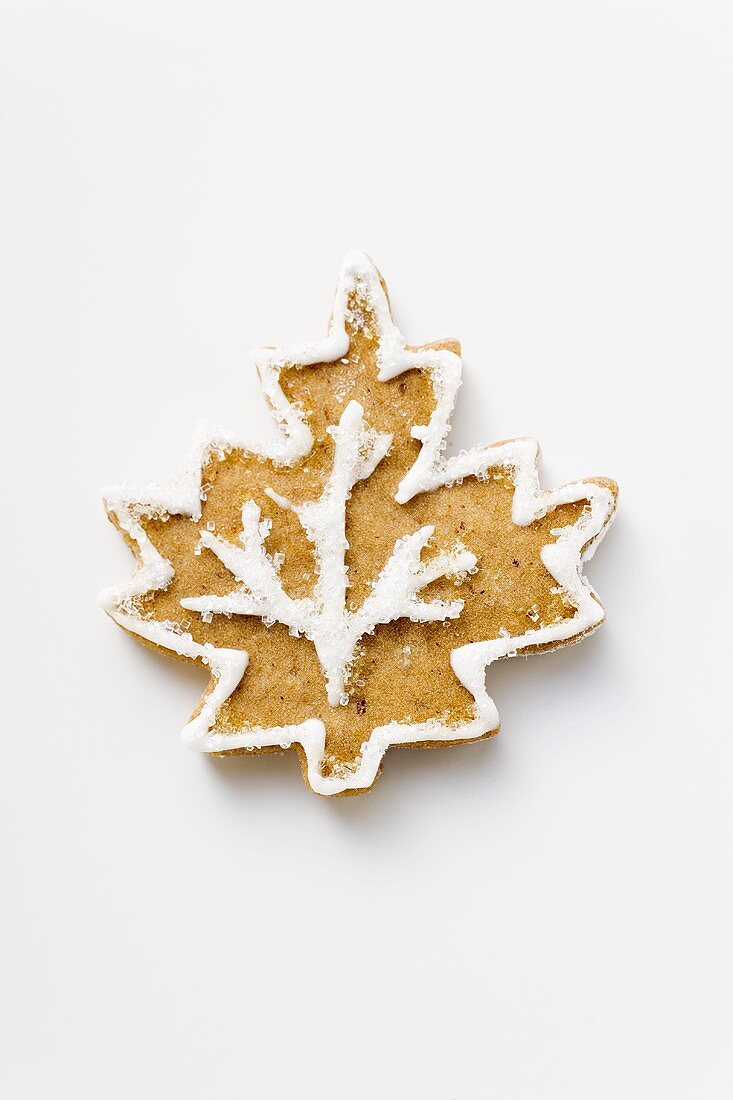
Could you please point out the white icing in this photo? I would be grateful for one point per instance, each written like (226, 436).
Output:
(563, 558)
(324, 618)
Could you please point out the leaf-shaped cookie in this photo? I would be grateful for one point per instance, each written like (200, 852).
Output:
(349, 585)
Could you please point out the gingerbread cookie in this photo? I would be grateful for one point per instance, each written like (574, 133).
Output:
(349, 585)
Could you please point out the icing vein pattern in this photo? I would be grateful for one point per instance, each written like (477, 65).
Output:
(324, 618)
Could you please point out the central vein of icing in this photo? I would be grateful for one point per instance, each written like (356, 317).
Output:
(324, 617)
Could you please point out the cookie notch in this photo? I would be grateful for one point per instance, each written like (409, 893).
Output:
(131, 508)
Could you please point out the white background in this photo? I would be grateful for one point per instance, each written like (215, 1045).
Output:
(547, 915)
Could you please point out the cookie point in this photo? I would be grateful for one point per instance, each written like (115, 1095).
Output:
(356, 260)
(607, 483)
